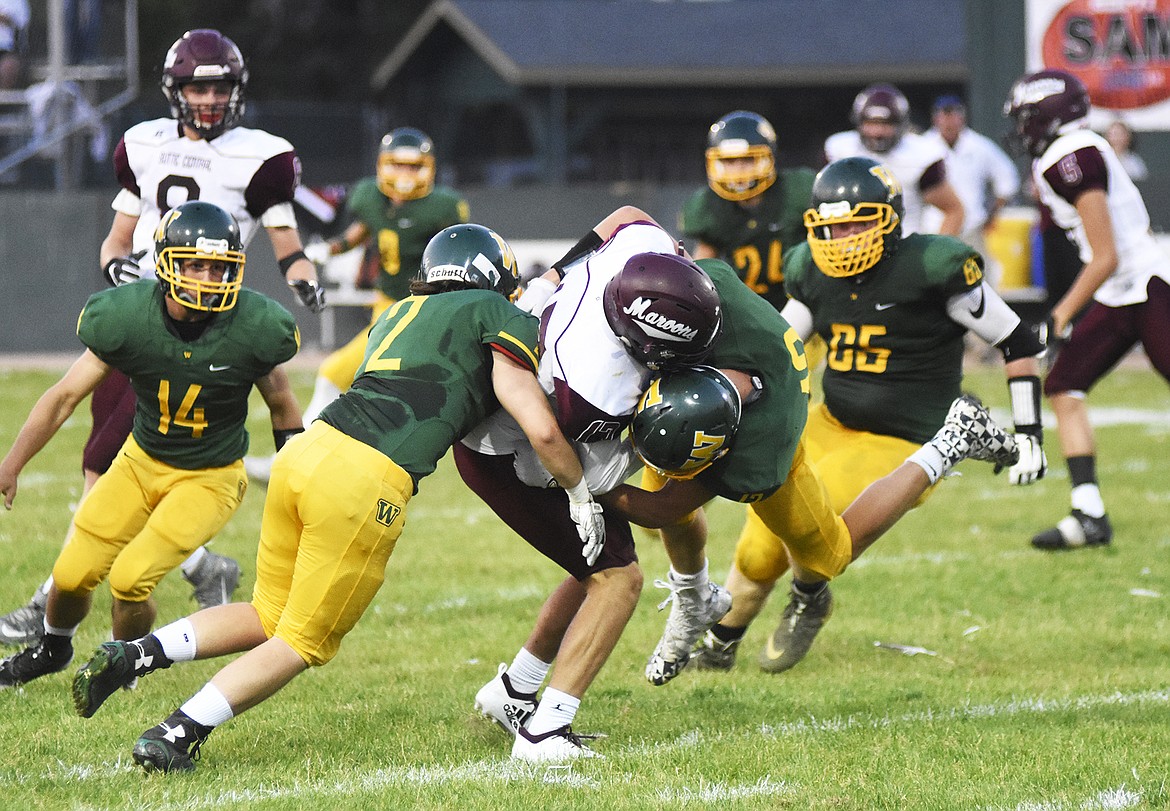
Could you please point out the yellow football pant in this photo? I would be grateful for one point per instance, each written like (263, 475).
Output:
(334, 510)
(342, 364)
(846, 461)
(142, 519)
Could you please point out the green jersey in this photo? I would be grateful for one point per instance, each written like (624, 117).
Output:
(401, 232)
(426, 377)
(756, 340)
(192, 394)
(895, 360)
(755, 241)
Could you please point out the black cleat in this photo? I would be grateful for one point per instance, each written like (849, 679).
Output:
(1075, 531)
(172, 746)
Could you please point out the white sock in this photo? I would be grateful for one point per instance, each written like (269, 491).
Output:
(554, 711)
(324, 393)
(527, 673)
(1087, 499)
(177, 640)
(931, 460)
(697, 579)
(48, 584)
(208, 707)
(189, 566)
(49, 629)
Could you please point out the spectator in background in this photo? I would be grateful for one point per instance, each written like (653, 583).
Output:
(1121, 138)
(14, 16)
(983, 175)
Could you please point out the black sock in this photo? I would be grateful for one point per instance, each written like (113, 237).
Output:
(725, 634)
(152, 657)
(809, 589)
(1082, 469)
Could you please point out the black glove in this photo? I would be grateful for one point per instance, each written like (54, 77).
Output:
(123, 269)
(309, 293)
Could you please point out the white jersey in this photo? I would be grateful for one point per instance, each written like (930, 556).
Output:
(1080, 160)
(977, 169)
(908, 160)
(592, 380)
(249, 173)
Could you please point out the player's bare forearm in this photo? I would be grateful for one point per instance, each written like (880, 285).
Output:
(282, 403)
(654, 510)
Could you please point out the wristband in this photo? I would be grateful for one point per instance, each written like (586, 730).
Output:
(579, 492)
(1025, 397)
(289, 260)
(283, 435)
(587, 244)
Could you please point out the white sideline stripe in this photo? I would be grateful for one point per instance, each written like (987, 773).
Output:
(1108, 800)
(496, 771)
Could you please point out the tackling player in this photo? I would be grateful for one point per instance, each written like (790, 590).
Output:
(436, 364)
(199, 153)
(881, 117)
(893, 311)
(1124, 282)
(193, 344)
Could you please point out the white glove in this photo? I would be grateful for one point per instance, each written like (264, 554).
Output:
(124, 269)
(318, 253)
(1032, 465)
(586, 514)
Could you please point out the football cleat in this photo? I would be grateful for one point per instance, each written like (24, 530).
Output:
(712, 653)
(803, 618)
(500, 702)
(32, 663)
(25, 625)
(556, 746)
(172, 746)
(1075, 531)
(215, 580)
(110, 668)
(691, 615)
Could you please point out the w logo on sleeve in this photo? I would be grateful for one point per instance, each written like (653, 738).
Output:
(387, 512)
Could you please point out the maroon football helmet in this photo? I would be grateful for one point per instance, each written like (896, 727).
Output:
(1040, 105)
(204, 55)
(881, 102)
(664, 309)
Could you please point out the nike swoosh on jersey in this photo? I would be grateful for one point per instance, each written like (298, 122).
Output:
(978, 311)
(214, 368)
(880, 307)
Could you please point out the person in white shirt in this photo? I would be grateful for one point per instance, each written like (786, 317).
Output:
(983, 175)
(14, 16)
(1120, 137)
(881, 117)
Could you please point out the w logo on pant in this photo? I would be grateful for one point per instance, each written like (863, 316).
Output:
(387, 512)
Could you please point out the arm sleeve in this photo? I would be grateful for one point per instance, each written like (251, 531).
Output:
(799, 317)
(982, 311)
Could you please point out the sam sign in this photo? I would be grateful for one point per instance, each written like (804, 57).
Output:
(1120, 49)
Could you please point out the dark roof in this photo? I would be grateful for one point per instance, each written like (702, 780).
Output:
(701, 42)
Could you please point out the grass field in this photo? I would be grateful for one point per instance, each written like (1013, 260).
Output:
(1049, 687)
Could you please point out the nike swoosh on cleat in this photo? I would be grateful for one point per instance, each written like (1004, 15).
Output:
(770, 649)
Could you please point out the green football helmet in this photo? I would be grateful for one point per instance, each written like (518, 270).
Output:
(472, 255)
(201, 231)
(685, 421)
(737, 136)
(848, 191)
(406, 164)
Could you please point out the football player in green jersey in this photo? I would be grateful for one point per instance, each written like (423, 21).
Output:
(401, 207)
(436, 364)
(894, 312)
(751, 214)
(193, 343)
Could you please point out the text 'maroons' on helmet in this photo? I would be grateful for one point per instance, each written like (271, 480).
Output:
(738, 135)
(664, 308)
(204, 54)
(199, 230)
(1041, 106)
(853, 190)
(406, 147)
(470, 255)
(881, 102)
(685, 421)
